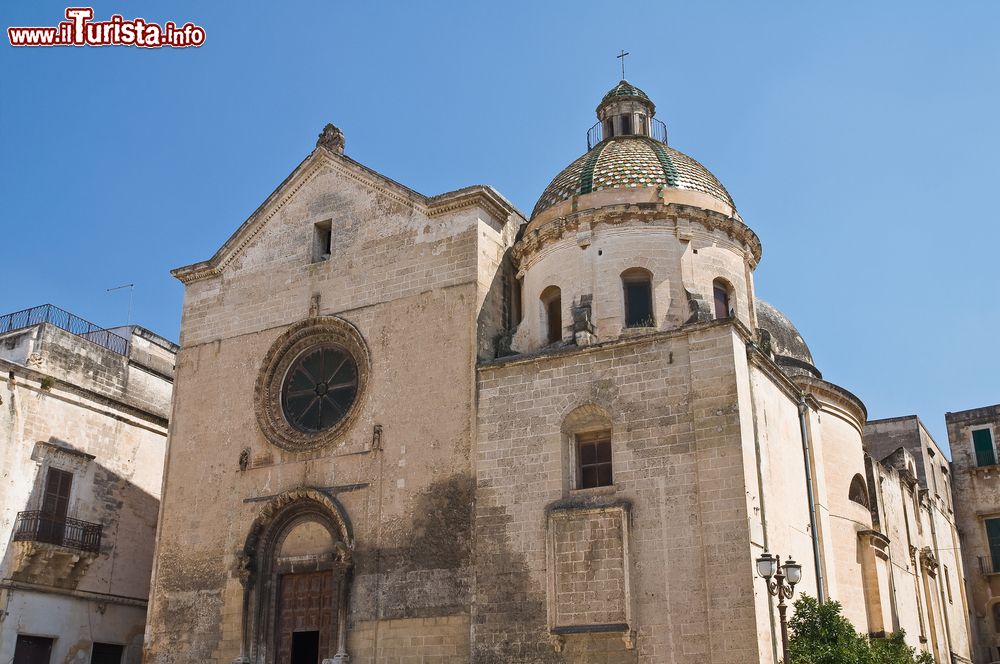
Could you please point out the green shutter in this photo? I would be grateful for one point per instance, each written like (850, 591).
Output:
(993, 539)
(982, 441)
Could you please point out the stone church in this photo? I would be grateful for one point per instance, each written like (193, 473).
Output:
(413, 428)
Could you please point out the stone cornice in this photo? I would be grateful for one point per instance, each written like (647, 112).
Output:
(560, 227)
(124, 411)
(547, 354)
(836, 400)
(321, 160)
(97, 597)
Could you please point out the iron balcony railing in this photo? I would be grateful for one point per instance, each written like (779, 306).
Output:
(62, 319)
(657, 131)
(38, 526)
(989, 564)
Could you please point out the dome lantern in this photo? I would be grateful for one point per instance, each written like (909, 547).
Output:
(626, 111)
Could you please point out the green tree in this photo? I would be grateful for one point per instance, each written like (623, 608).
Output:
(821, 635)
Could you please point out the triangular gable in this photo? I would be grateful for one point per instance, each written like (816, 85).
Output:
(324, 157)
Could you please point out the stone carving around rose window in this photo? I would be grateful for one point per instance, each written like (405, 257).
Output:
(311, 383)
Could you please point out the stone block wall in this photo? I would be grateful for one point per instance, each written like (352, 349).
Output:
(976, 499)
(676, 441)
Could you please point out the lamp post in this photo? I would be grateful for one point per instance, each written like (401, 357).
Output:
(780, 581)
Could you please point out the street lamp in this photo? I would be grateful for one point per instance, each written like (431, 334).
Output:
(780, 581)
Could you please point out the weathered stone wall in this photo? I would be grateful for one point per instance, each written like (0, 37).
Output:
(683, 257)
(676, 439)
(913, 468)
(411, 284)
(777, 507)
(70, 404)
(977, 498)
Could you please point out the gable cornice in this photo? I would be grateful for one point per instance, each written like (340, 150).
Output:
(321, 159)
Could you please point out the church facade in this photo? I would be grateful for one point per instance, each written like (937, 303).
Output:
(410, 428)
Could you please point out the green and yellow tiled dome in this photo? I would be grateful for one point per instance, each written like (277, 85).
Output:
(624, 89)
(631, 162)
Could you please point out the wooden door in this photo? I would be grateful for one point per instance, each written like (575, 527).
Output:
(55, 505)
(306, 603)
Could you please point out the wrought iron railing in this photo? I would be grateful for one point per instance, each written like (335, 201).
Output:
(38, 526)
(657, 131)
(989, 564)
(62, 319)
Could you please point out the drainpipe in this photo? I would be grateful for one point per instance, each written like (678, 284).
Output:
(814, 531)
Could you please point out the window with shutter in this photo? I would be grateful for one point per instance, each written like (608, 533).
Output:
(982, 441)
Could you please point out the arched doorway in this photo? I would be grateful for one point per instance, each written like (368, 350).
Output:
(296, 572)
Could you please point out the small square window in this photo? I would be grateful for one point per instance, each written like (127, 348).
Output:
(322, 241)
(593, 451)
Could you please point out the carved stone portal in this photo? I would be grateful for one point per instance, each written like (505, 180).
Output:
(295, 569)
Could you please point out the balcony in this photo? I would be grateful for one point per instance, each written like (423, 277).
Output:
(989, 564)
(37, 526)
(62, 319)
(654, 129)
(52, 551)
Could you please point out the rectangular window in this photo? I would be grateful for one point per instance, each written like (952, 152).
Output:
(638, 304)
(721, 301)
(322, 241)
(993, 541)
(982, 441)
(947, 583)
(32, 650)
(593, 451)
(106, 653)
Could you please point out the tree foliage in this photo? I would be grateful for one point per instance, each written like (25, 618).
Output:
(821, 635)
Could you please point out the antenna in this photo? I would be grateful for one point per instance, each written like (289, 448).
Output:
(131, 289)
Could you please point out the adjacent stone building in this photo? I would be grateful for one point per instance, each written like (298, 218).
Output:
(973, 436)
(83, 424)
(915, 512)
(416, 428)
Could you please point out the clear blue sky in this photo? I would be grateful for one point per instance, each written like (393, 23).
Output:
(858, 139)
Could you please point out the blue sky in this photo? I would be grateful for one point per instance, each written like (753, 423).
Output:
(858, 140)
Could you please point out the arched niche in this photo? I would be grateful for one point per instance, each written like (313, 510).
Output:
(301, 542)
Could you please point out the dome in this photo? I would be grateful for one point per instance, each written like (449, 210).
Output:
(789, 348)
(624, 162)
(625, 90)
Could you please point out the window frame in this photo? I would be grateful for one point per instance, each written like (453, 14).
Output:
(720, 284)
(638, 275)
(972, 442)
(322, 235)
(994, 555)
(593, 437)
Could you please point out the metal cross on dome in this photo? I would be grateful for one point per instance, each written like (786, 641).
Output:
(621, 56)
